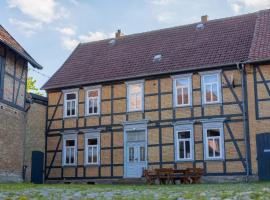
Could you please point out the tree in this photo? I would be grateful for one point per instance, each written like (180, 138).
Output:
(31, 86)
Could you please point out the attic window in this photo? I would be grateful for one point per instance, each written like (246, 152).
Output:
(200, 26)
(112, 42)
(157, 58)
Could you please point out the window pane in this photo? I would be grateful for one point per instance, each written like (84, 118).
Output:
(131, 154)
(187, 145)
(67, 156)
(181, 150)
(132, 100)
(71, 96)
(185, 93)
(94, 154)
(184, 134)
(72, 159)
(93, 93)
(142, 154)
(208, 93)
(92, 141)
(210, 148)
(216, 148)
(68, 109)
(213, 132)
(70, 143)
(210, 78)
(89, 154)
(214, 92)
(136, 88)
(182, 82)
(179, 96)
(73, 108)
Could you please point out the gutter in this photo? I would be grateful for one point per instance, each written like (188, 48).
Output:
(241, 68)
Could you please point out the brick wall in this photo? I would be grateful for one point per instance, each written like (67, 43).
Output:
(12, 132)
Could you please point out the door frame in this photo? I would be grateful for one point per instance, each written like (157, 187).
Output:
(134, 126)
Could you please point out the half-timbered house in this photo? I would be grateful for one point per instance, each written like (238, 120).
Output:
(14, 117)
(190, 96)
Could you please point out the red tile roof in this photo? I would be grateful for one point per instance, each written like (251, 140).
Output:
(222, 41)
(7, 39)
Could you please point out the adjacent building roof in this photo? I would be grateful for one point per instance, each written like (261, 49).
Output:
(194, 46)
(8, 40)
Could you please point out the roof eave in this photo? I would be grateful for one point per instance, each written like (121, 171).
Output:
(28, 57)
(142, 76)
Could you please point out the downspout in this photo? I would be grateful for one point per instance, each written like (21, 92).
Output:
(241, 68)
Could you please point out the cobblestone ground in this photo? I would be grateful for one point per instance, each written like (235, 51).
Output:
(178, 192)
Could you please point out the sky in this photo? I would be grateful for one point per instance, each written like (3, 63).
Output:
(50, 29)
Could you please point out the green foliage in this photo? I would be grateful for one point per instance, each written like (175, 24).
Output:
(31, 86)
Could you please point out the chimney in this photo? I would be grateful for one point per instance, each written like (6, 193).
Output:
(118, 34)
(204, 19)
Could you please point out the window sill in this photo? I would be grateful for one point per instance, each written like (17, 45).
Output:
(184, 160)
(70, 117)
(92, 165)
(92, 115)
(214, 159)
(182, 106)
(135, 111)
(69, 166)
(212, 104)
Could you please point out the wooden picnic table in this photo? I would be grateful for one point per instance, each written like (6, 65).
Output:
(170, 175)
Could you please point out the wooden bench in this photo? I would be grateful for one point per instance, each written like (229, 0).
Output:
(195, 174)
(150, 176)
(164, 175)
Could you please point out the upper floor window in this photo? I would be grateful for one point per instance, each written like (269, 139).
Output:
(92, 101)
(70, 150)
(70, 103)
(135, 96)
(184, 142)
(92, 148)
(211, 86)
(213, 141)
(182, 91)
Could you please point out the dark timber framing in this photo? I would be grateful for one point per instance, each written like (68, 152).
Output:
(154, 124)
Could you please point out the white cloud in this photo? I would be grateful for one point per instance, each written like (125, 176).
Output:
(67, 31)
(45, 11)
(27, 28)
(161, 2)
(165, 17)
(251, 5)
(94, 36)
(69, 43)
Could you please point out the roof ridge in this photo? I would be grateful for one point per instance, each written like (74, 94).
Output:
(173, 27)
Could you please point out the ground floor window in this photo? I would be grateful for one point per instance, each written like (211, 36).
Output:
(70, 150)
(92, 148)
(184, 142)
(213, 141)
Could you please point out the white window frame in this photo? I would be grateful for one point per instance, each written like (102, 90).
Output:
(91, 135)
(65, 138)
(66, 92)
(203, 87)
(189, 78)
(129, 84)
(87, 90)
(209, 126)
(182, 128)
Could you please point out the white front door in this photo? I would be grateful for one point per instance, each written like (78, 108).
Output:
(135, 154)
